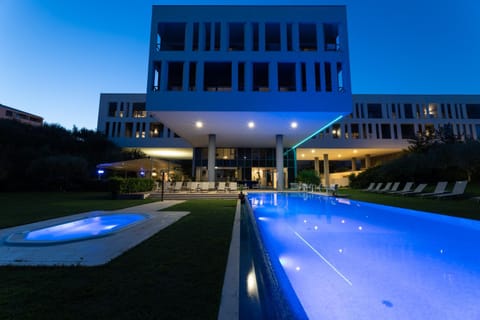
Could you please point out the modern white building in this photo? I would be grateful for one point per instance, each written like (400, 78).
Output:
(249, 93)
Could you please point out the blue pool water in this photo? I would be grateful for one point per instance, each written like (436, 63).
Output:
(93, 226)
(339, 259)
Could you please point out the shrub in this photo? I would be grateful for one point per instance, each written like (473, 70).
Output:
(130, 185)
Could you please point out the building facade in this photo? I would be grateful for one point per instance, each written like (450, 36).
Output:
(21, 116)
(253, 93)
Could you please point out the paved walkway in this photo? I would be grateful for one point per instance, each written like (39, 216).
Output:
(89, 252)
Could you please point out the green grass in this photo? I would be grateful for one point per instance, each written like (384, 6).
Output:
(176, 274)
(459, 207)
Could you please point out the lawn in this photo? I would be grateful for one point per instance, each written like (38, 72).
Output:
(461, 207)
(176, 274)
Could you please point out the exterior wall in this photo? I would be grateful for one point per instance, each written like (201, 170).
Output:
(381, 118)
(21, 116)
(124, 120)
(239, 41)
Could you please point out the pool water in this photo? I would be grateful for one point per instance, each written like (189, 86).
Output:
(344, 259)
(94, 226)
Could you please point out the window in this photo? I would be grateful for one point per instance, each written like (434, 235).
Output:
(208, 35)
(386, 133)
(175, 76)
(217, 76)
(473, 110)
(128, 129)
(157, 68)
(112, 109)
(217, 38)
(272, 37)
(138, 110)
(331, 37)
(236, 36)
(286, 77)
(255, 37)
(241, 76)
(260, 76)
(196, 37)
(171, 36)
(407, 131)
(192, 76)
(303, 76)
(340, 83)
(374, 110)
(9, 113)
(318, 82)
(156, 130)
(308, 36)
(336, 132)
(328, 77)
(408, 111)
(289, 37)
(355, 131)
(107, 128)
(433, 110)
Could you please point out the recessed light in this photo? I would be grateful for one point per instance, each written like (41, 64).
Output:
(303, 155)
(294, 125)
(355, 151)
(251, 124)
(199, 124)
(313, 150)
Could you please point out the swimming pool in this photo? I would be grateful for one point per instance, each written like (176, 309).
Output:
(342, 259)
(94, 226)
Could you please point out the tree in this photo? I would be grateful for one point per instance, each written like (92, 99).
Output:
(309, 177)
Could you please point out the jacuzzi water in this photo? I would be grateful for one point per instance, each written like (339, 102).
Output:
(345, 259)
(81, 229)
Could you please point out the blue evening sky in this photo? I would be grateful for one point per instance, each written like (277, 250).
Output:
(57, 56)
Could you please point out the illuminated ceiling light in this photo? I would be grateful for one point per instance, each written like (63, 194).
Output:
(251, 124)
(313, 150)
(303, 155)
(315, 133)
(293, 124)
(199, 124)
(339, 155)
(355, 151)
(225, 157)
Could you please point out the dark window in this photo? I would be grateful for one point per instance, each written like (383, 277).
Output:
(241, 76)
(192, 76)
(318, 82)
(112, 109)
(386, 133)
(128, 129)
(272, 37)
(331, 37)
(308, 36)
(289, 37)
(408, 111)
(236, 36)
(328, 76)
(171, 36)
(217, 76)
(286, 77)
(175, 76)
(374, 110)
(407, 131)
(256, 40)
(260, 76)
(9, 113)
(355, 131)
(196, 37)
(473, 111)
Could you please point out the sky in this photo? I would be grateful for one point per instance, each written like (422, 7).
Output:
(57, 56)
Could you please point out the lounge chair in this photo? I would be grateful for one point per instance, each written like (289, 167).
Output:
(221, 187)
(439, 189)
(394, 187)
(194, 187)
(232, 186)
(386, 188)
(370, 187)
(458, 190)
(406, 188)
(417, 190)
(211, 185)
(178, 186)
(377, 188)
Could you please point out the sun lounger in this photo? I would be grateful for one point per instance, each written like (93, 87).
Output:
(417, 190)
(386, 188)
(406, 188)
(178, 186)
(377, 188)
(395, 187)
(221, 187)
(458, 190)
(232, 186)
(439, 189)
(370, 187)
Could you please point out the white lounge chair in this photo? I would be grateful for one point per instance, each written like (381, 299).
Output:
(394, 187)
(232, 186)
(194, 187)
(417, 190)
(204, 186)
(406, 188)
(386, 188)
(370, 187)
(458, 190)
(439, 189)
(221, 187)
(377, 188)
(178, 186)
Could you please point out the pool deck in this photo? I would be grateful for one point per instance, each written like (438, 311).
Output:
(91, 252)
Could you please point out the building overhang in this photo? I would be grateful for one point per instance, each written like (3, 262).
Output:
(245, 129)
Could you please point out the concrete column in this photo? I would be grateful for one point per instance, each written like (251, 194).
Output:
(326, 170)
(354, 164)
(317, 166)
(279, 157)
(367, 161)
(211, 156)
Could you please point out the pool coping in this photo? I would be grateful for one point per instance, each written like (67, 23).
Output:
(88, 252)
(229, 304)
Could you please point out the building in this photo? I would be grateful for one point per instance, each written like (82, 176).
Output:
(21, 116)
(254, 94)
